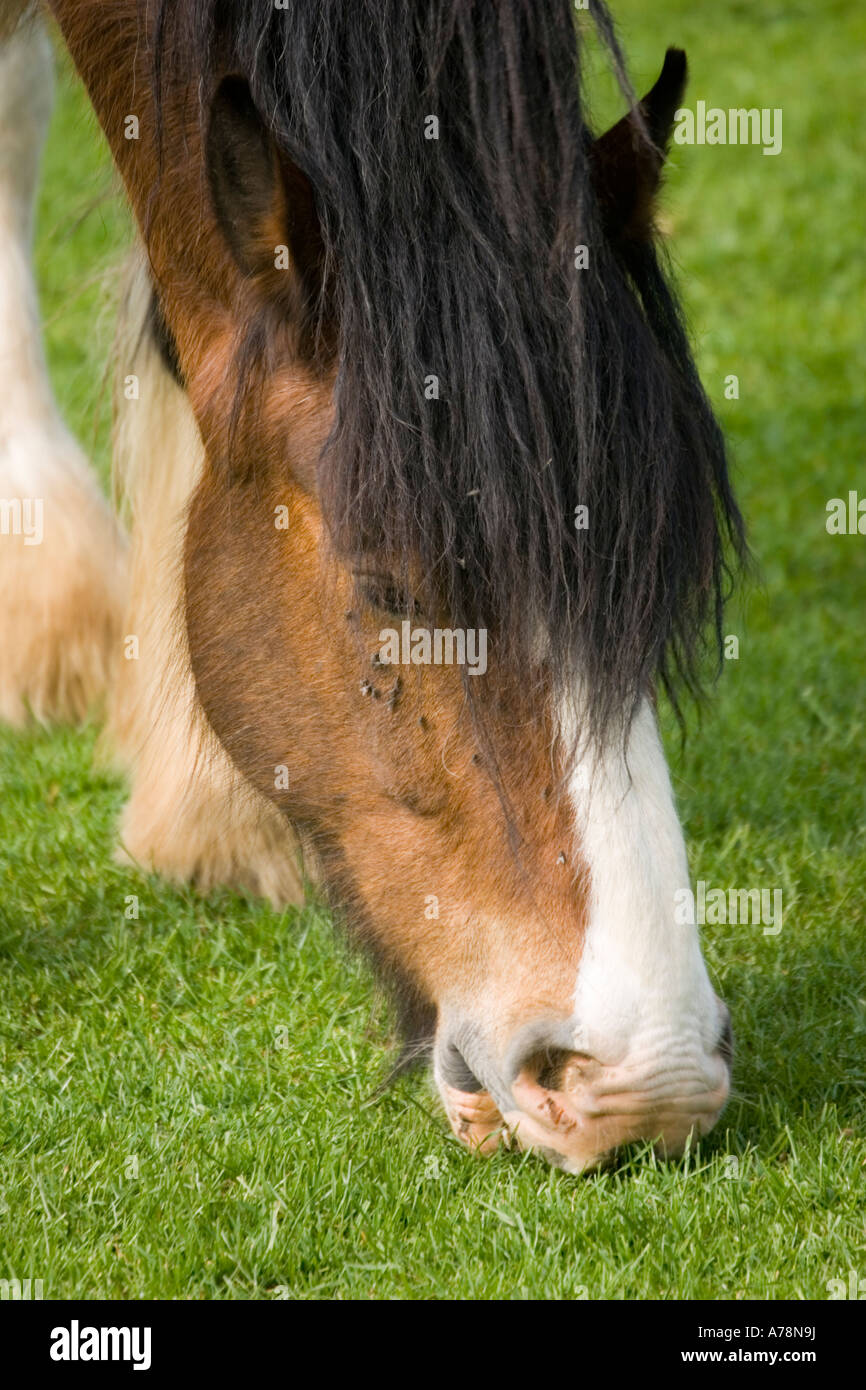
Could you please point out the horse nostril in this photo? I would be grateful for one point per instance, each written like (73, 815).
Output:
(454, 1070)
(546, 1067)
(540, 1052)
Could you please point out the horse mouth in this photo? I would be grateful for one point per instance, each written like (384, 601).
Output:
(588, 1132)
(476, 1120)
(581, 1130)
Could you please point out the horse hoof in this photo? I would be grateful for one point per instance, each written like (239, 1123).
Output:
(62, 577)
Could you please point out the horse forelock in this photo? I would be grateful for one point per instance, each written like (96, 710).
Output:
(524, 439)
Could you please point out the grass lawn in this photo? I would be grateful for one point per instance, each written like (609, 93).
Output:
(186, 1097)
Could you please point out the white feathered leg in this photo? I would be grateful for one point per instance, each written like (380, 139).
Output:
(190, 815)
(61, 555)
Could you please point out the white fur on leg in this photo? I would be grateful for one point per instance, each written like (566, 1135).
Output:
(190, 815)
(61, 554)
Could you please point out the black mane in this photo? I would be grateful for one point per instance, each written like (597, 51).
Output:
(559, 387)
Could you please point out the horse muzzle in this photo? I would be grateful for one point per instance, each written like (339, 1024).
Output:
(578, 1111)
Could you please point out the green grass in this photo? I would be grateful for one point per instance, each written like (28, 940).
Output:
(155, 1137)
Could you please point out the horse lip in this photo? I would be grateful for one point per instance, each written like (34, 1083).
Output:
(558, 1113)
(577, 1127)
(552, 1109)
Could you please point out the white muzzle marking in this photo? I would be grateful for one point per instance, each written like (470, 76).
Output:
(643, 1002)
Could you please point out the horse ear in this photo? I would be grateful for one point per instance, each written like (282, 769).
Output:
(263, 202)
(626, 168)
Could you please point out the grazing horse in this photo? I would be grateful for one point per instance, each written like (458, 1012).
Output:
(414, 385)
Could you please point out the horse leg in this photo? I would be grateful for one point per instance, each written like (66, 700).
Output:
(61, 554)
(190, 815)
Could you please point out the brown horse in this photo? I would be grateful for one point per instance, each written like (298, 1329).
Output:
(409, 346)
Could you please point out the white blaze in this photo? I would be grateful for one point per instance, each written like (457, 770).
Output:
(643, 994)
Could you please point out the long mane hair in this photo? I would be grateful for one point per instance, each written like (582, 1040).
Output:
(454, 257)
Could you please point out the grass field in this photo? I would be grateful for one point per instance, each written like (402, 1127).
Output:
(157, 1140)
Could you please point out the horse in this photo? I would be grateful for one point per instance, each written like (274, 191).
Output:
(411, 368)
